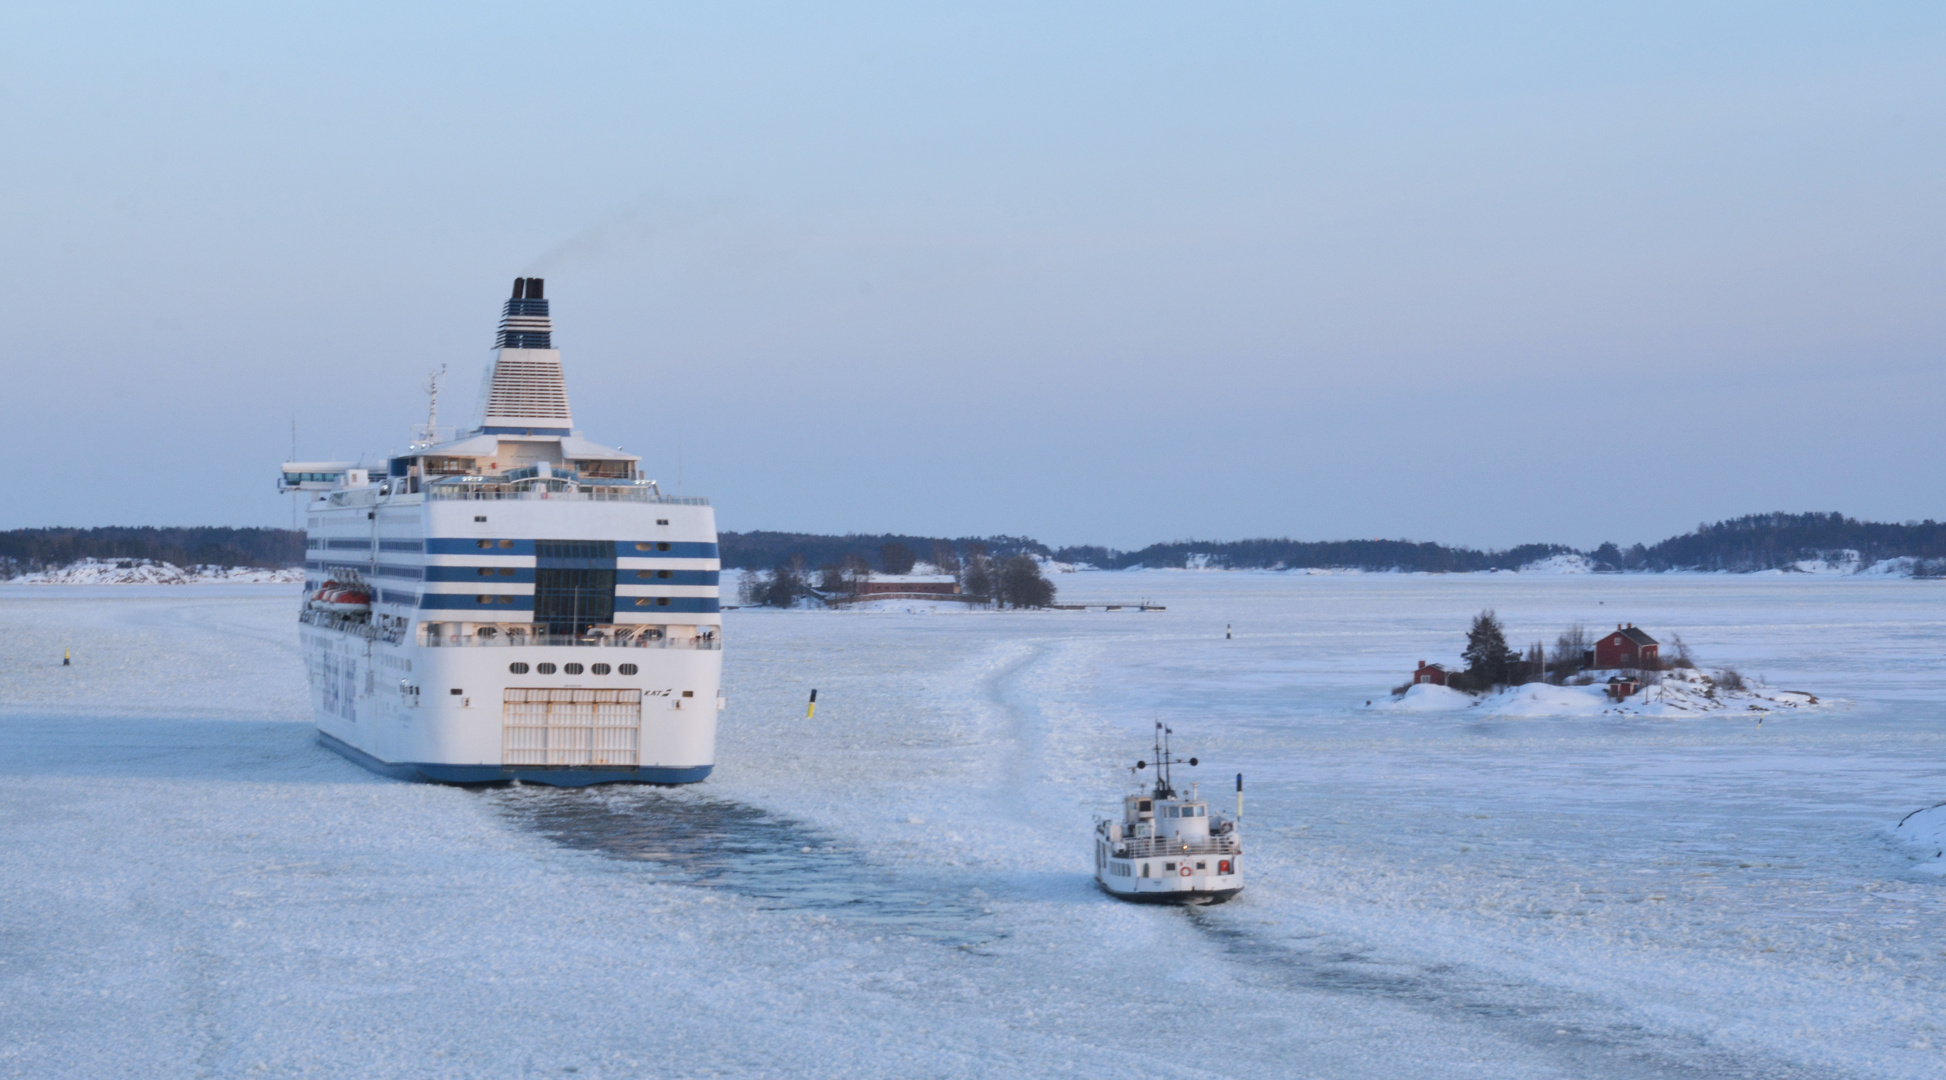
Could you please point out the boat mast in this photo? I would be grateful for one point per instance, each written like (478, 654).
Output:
(1164, 777)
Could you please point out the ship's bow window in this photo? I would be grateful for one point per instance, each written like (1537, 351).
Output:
(571, 669)
(544, 668)
(517, 668)
(598, 669)
(629, 669)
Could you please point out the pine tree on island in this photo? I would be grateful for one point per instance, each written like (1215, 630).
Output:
(1488, 659)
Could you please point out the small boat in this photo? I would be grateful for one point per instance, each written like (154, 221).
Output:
(1168, 848)
(340, 598)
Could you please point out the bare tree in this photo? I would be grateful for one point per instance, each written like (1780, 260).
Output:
(785, 585)
(976, 575)
(1683, 658)
(831, 579)
(944, 557)
(855, 573)
(1570, 653)
(1021, 584)
(753, 587)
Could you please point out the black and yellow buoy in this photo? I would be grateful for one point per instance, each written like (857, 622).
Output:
(811, 709)
(67, 657)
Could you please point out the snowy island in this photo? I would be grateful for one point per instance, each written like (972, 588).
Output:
(1624, 672)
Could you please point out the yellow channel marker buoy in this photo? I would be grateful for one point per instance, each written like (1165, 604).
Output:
(811, 709)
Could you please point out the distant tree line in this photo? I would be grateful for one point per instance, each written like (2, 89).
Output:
(25, 551)
(1777, 541)
(764, 550)
(1302, 555)
(1754, 542)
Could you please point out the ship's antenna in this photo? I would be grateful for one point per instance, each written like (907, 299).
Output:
(432, 404)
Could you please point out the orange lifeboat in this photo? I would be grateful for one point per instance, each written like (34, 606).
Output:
(342, 599)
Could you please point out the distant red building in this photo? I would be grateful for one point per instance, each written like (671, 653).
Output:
(1627, 647)
(1433, 674)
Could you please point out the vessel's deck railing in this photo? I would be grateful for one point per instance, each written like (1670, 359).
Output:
(351, 624)
(523, 641)
(442, 491)
(373, 495)
(1147, 847)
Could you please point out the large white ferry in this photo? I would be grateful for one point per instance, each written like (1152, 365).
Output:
(516, 602)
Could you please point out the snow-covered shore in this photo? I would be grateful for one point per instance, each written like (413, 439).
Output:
(149, 572)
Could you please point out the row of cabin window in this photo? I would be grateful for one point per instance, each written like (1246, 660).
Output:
(1185, 811)
(544, 668)
(509, 571)
(1223, 867)
(644, 545)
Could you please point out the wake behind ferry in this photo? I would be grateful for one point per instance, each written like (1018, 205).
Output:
(515, 602)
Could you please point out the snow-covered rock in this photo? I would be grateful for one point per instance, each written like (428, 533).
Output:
(1564, 563)
(1425, 697)
(148, 572)
(1679, 693)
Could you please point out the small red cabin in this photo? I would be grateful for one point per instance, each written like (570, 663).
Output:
(1429, 673)
(1623, 686)
(1627, 647)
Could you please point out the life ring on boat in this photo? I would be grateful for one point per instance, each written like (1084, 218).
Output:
(1185, 869)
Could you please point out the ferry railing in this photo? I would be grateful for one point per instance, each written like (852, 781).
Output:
(353, 625)
(442, 491)
(1149, 847)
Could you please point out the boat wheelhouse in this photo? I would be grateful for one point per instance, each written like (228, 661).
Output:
(512, 601)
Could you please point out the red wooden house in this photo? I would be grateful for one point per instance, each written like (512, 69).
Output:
(1429, 673)
(1627, 648)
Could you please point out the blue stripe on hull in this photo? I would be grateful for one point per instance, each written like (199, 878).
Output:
(471, 602)
(559, 776)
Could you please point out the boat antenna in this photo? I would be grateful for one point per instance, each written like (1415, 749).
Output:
(1164, 776)
(431, 386)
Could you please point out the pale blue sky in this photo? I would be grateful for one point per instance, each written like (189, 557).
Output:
(1114, 273)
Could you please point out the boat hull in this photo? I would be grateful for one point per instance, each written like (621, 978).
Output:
(1173, 896)
(433, 772)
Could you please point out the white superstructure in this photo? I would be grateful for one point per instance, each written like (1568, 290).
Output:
(534, 608)
(1167, 847)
